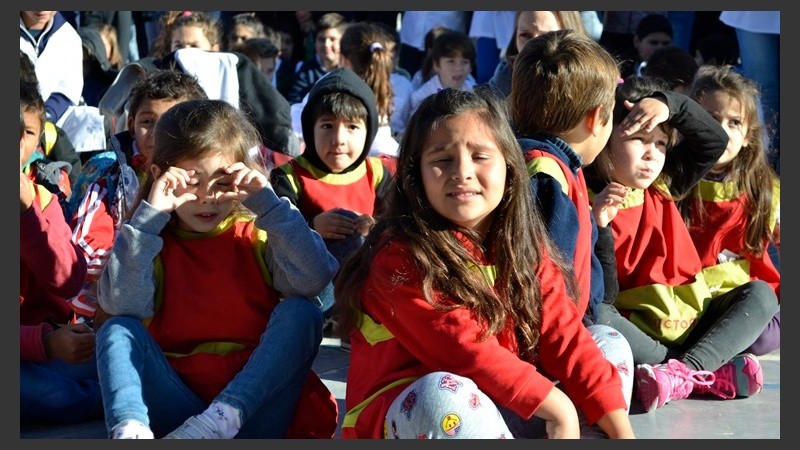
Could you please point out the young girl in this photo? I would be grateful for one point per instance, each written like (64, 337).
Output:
(452, 56)
(456, 305)
(678, 334)
(365, 49)
(740, 188)
(186, 29)
(209, 281)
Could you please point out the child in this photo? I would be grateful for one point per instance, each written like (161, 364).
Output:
(561, 129)
(329, 30)
(337, 187)
(186, 29)
(39, 165)
(57, 371)
(426, 71)
(367, 50)
(652, 32)
(741, 188)
(245, 26)
(452, 56)
(219, 356)
(683, 341)
(107, 187)
(56, 51)
(264, 54)
(456, 305)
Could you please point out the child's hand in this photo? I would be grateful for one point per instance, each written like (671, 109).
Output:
(645, 115)
(72, 343)
(25, 193)
(560, 415)
(244, 182)
(363, 224)
(162, 194)
(606, 204)
(332, 225)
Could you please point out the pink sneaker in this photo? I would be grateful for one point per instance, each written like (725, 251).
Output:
(657, 385)
(740, 377)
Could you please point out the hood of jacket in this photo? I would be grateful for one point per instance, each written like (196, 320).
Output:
(338, 80)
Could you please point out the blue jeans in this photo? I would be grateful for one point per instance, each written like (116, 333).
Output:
(138, 382)
(761, 62)
(59, 392)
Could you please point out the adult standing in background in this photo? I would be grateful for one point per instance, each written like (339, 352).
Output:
(759, 35)
(491, 31)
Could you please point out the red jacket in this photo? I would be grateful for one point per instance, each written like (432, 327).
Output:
(409, 339)
(51, 270)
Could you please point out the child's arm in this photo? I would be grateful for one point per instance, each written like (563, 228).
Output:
(701, 142)
(127, 284)
(298, 260)
(617, 424)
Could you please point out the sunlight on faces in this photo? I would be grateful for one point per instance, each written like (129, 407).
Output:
(452, 70)
(339, 141)
(191, 37)
(730, 113)
(639, 158)
(30, 140)
(208, 182)
(463, 171)
(327, 46)
(534, 23)
(143, 123)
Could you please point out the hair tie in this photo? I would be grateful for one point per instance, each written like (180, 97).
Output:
(375, 46)
(186, 13)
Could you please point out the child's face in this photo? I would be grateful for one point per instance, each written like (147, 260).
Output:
(651, 43)
(730, 113)
(533, 23)
(36, 20)
(638, 158)
(287, 45)
(463, 172)
(142, 125)
(208, 183)
(339, 141)
(452, 70)
(33, 132)
(239, 34)
(327, 46)
(267, 67)
(191, 37)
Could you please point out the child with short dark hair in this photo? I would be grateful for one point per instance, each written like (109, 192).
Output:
(337, 186)
(57, 371)
(329, 30)
(192, 356)
(244, 26)
(452, 59)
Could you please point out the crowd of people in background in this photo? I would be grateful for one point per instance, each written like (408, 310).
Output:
(517, 222)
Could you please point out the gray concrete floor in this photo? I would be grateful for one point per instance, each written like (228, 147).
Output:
(757, 417)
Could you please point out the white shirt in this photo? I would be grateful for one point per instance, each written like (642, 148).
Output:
(415, 24)
(753, 21)
(497, 25)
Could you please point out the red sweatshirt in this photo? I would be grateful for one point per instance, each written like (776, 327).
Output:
(409, 339)
(51, 270)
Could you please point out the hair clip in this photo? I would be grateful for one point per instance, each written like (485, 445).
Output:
(186, 13)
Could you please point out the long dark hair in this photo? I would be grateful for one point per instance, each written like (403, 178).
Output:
(517, 239)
